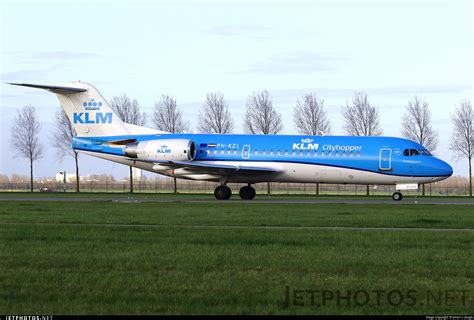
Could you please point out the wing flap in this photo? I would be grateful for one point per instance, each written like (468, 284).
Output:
(212, 168)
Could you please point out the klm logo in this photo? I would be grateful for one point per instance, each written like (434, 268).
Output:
(85, 118)
(92, 118)
(306, 144)
(92, 105)
(164, 149)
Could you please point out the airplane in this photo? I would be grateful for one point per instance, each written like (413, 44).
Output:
(241, 158)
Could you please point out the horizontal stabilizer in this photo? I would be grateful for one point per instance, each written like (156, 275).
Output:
(54, 89)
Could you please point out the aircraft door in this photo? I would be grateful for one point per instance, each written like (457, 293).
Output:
(246, 152)
(385, 159)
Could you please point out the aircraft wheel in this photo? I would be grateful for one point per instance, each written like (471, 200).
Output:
(247, 193)
(222, 193)
(397, 196)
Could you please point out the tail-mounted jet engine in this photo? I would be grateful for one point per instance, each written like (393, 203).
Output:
(166, 149)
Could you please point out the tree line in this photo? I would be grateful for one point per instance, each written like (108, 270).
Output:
(360, 118)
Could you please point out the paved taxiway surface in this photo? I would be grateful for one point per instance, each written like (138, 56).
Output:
(209, 226)
(436, 201)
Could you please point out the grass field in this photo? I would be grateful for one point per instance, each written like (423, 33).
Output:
(235, 258)
(209, 196)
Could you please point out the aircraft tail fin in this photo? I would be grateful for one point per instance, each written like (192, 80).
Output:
(90, 114)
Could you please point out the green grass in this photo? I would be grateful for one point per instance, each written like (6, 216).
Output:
(148, 258)
(210, 196)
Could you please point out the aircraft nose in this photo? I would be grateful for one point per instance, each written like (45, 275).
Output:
(443, 168)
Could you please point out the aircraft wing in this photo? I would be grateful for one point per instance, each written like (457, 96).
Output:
(212, 168)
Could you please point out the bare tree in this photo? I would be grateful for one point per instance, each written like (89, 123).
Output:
(167, 117)
(25, 136)
(416, 126)
(260, 116)
(309, 116)
(361, 118)
(462, 141)
(128, 111)
(215, 116)
(63, 134)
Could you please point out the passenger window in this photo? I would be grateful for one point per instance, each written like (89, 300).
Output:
(301, 152)
(337, 154)
(215, 151)
(271, 152)
(286, 152)
(278, 152)
(228, 151)
(322, 153)
(222, 151)
(264, 152)
(294, 153)
(343, 153)
(255, 152)
(235, 151)
(208, 151)
(315, 153)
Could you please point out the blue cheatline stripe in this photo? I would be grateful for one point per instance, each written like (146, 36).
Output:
(280, 161)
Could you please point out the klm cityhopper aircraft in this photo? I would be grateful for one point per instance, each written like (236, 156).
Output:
(246, 159)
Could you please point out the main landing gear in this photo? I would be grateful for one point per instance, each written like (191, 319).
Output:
(247, 193)
(397, 196)
(224, 193)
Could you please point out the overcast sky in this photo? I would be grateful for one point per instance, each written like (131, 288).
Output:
(391, 50)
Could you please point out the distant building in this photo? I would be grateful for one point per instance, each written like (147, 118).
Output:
(70, 177)
(137, 174)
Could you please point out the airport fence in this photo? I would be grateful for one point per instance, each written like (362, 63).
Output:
(184, 186)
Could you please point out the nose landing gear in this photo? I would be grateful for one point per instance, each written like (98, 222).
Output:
(397, 196)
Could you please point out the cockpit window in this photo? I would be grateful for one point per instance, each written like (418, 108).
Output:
(425, 152)
(416, 152)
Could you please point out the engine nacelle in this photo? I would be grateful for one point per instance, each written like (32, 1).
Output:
(162, 149)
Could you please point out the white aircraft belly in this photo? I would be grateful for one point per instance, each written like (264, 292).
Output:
(286, 172)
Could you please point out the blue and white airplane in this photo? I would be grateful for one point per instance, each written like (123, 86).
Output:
(245, 159)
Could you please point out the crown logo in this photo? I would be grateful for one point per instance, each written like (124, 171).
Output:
(307, 140)
(92, 105)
